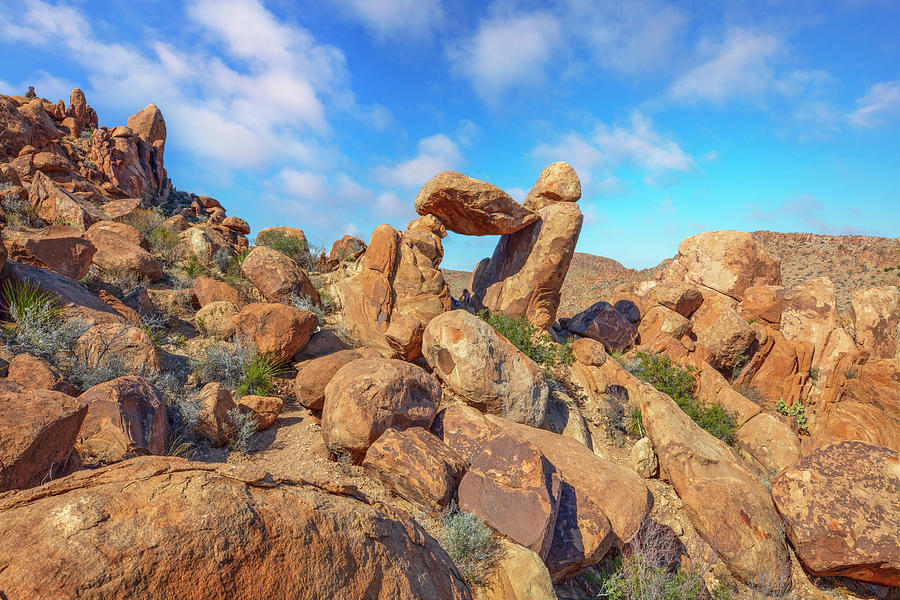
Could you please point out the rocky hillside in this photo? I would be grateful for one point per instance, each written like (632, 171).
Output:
(186, 412)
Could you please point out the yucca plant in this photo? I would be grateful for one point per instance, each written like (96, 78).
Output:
(259, 375)
(36, 324)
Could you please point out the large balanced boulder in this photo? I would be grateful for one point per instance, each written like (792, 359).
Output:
(38, 429)
(276, 276)
(275, 329)
(525, 274)
(125, 417)
(484, 368)
(556, 183)
(158, 527)
(470, 206)
(515, 489)
(727, 262)
(876, 317)
(605, 324)
(59, 248)
(416, 465)
(841, 510)
(367, 396)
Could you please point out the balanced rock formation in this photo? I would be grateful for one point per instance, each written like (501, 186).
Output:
(841, 510)
(556, 183)
(137, 537)
(470, 206)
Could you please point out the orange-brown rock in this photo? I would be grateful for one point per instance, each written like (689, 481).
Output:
(404, 336)
(286, 231)
(779, 368)
(36, 373)
(526, 272)
(215, 402)
(216, 319)
(770, 441)
(415, 465)
(347, 248)
(763, 303)
(589, 352)
(263, 409)
(274, 328)
(558, 182)
(313, 375)
(675, 295)
(841, 510)
(470, 206)
(118, 253)
(603, 323)
(368, 395)
(130, 164)
(137, 526)
(129, 344)
(515, 489)
(727, 262)
(723, 333)
(50, 162)
(207, 289)
(428, 224)
(876, 317)
(125, 418)
(809, 314)
(57, 206)
(659, 322)
(149, 125)
(276, 276)
(236, 224)
(123, 230)
(38, 429)
(520, 575)
(59, 248)
(484, 368)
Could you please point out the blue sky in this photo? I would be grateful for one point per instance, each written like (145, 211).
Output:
(330, 115)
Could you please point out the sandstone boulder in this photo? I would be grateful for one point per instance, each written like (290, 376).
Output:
(521, 575)
(313, 375)
(263, 409)
(118, 253)
(38, 429)
(149, 125)
(589, 352)
(105, 343)
(643, 458)
(130, 233)
(215, 403)
(770, 441)
(207, 289)
(125, 418)
(236, 224)
(136, 526)
(276, 276)
(217, 319)
(876, 317)
(275, 329)
(763, 303)
(36, 373)
(556, 183)
(526, 272)
(415, 465)
(605, 324)
(809, 314)
(513, 487)
(841, 510)
(57, 206)
(470, 206)
(681, 297)
(484, 368)
(367, 396)
(59, 248)
(660, 322)
(723, 333)
(347, 248)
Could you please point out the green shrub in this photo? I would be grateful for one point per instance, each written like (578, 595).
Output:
(472, 546)
(289, 245)
(796, 410)
(86, 374)
(145, 220)
(678, 383)
(193, 268)
(526, 338)
(259, 373)
(239, 429)
(21, 214)
(164, 244)
(239, 368)
(37, 325)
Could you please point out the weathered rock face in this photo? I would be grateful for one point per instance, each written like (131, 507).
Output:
(346, 248)
(217, 319)
(727, 262)
(149, 125)
(876, 317)
(470, 206)
(215, 402)
(36, 373)
(207, 289)
(557, 183)
(116, 252)
(136, 526)
(367, 396)
(521, 575)
(763, 303)
(398, 279)
(605, 324)
(275, 329)
(810, 314)
(313, 375)
(513, 487)
(484, 368)
(263, 409)
(660, 322)
(125, 418)
(132, 165)
(38, 429)
(527, 270)
(681, 297)
(203, 241)
(770, 441)
(724, 334)
(56, 205)
(416, 465)
(59, 248)
(112, 342)
(131, 234)
(276, 276)
(779, 368)
(643, 458)
(841, 510)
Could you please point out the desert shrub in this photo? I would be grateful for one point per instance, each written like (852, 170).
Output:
(239, 368)
(121, 277)
(526, 338)
(164, 244)
(751, 393)
(472, 546)
(304, 303)
(678, 383)
(239, 429)
(796, 410)
(193, 268)
(222, 260)
(155, 326)
(259, 375)
(37, 325)
(20, 213)
(182, 403)
(634, 424)
(814, 373)
(290, 246)
(145, 220)
(86, 374)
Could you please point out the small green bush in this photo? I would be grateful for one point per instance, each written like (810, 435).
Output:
(164, 244)
(239, 368)
(21, 214)
(796, 410)
(145, 220)
(259, 373)
(524, 336)
(239, 429)
(289, 245)
(472, 546)
(678, 383)
(37, 325)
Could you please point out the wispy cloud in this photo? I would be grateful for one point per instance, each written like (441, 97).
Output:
(434, 154)
(804, 209)
(396, 19)
(880, 101)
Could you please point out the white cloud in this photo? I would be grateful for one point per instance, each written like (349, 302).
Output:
(304, 185)
(711, 156)
(396, 18)
(517, 193)
(506, 52)
(435, 154)
(880, 100)
(741, 66)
